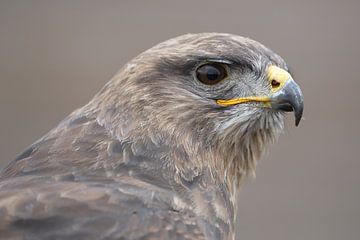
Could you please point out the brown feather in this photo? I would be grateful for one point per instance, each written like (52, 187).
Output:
(151, 156)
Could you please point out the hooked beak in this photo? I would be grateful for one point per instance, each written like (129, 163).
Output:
(289, 99)
(286, 94)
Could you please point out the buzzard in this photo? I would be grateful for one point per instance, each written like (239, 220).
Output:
(160, 151)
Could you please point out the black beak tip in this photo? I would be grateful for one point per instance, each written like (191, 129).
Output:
(297, 121)
(298, 115)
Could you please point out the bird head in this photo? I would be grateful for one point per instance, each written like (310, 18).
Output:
(220, 97)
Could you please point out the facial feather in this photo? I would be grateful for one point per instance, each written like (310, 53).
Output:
(157, 91)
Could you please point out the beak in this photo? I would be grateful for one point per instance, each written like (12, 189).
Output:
(286, 94)
(289, 99)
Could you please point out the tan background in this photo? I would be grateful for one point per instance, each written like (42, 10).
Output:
(55, 55)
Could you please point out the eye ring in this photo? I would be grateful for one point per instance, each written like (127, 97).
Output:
(211, 73)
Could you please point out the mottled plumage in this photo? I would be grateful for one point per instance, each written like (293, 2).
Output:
(152, 156)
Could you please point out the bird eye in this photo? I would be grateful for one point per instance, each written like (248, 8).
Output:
(211, 74)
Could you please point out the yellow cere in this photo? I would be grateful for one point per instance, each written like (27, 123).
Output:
(279, 75)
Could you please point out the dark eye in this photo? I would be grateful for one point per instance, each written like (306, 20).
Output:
(211, 73)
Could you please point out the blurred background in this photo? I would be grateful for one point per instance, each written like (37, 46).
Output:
(55, 55)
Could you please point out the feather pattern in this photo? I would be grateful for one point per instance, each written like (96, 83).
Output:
(151, 156)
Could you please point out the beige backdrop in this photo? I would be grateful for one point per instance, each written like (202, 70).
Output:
(55, 55)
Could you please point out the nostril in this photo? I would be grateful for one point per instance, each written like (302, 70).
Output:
(275, 84)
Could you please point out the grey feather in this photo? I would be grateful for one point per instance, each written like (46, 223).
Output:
(151, 156)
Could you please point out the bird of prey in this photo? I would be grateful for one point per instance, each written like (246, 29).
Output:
(160, 152)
